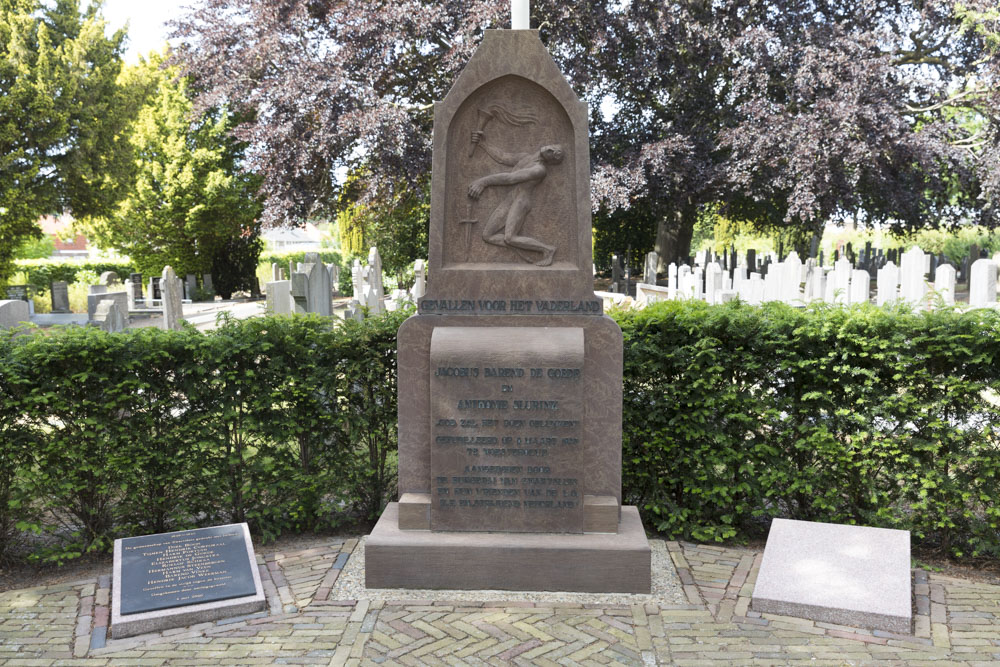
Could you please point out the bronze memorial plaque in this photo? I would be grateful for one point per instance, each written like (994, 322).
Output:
(184, 568)
(506, 429)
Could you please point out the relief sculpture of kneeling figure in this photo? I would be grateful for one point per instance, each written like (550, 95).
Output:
(505, 223)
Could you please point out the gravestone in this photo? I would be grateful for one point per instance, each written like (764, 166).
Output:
(713, 282)
(649, 273)
(172, 580)
(983, 284)
(861, 286)
(275, 272)
(617, 274)
(887, 284)
(12, 313)
(136, 280)
(190, 285)
(419, 280)
(357, 280)
(171, 287)
(109, 316)
(154, 288)
(94, 300)
(300, 293)
(109, 279)
(944, 283)
(60, 297)
(334, 271)
(912, 268)
(19, 293)
(279, 297)
(319, 290)
(848, 575)
(510, 375)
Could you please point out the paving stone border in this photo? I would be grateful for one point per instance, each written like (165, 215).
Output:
(957, 622)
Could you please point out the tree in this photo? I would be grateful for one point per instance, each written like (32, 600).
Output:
(188, 201)
(61, 116)
(397, 225)
(785, 113)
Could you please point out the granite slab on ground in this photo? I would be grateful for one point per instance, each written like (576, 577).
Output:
(850, 575)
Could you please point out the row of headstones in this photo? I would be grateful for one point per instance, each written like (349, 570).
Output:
(868, 259)
(314, 284)
(106, 309)
(792, 281)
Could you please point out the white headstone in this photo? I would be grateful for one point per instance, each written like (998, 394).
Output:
(375, 275)
(334, 270)
(983, 284)
(755, 290)
(816, 286)
(357, 279)
(887, 284)
(419, 279)
(279, 297)
(672, 276)
(791, 279)
(13, 313)
(300, 292)
(130, 295)
(649, 274)
(944, 283)
(839, 285)
(170, 289)
(109, 317)
(861, 286)
(713, 282)
(912, 268)
(772, 282)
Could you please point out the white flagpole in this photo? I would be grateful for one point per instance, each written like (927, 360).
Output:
(519, 15)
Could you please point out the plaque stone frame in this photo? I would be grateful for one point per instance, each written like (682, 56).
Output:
(128, 625)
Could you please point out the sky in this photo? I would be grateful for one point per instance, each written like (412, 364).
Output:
(146, 19)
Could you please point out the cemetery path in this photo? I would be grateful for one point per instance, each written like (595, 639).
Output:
(956, 622)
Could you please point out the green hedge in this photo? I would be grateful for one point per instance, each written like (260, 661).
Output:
(43, 272)
(284, 422)
(733, 415)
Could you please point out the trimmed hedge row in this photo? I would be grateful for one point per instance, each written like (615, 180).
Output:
(733, 414)
(43, 272)
(283, 422)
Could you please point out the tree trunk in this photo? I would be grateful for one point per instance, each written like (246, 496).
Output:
(673, 238)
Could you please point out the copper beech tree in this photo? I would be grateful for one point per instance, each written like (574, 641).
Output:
(784, 114)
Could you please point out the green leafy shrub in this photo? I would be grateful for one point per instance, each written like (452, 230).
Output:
(287, 423)
(735, 414)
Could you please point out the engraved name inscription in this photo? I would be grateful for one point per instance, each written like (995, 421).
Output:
(190, 567)
(511, 437)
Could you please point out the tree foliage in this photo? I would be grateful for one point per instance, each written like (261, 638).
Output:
(62, 116)
(785, 113)
(188, 202)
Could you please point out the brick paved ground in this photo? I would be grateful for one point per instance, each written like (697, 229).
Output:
(956, 623)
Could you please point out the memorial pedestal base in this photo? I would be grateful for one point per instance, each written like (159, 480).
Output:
(586, 563)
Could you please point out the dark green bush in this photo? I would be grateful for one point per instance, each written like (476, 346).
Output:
(287, 423)
(735, 414)
(732, 415)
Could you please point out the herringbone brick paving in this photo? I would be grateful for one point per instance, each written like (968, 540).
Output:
(957, 622)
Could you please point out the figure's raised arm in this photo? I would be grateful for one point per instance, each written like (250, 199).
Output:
(498, 155)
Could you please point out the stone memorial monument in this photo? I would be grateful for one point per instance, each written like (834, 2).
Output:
(172, 580)
(171, 287)
(510, 421)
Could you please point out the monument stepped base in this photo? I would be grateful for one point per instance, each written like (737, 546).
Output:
(587, 563)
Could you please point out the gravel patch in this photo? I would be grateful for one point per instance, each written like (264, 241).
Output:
(666, 587)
